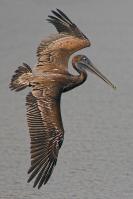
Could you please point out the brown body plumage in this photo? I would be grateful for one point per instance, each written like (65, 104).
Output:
(48, 80)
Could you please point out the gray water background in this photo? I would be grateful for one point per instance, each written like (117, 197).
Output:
(96, 160)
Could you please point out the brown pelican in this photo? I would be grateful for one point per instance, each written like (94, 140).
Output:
(48, 80)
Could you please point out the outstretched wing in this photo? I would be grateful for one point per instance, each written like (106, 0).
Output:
(64, 25)
(55, 51)
(46, 133)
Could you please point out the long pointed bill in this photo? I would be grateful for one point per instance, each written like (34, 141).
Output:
(94, 70)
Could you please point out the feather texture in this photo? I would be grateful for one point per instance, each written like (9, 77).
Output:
(59, 47)
(64, 25)
(45, 136)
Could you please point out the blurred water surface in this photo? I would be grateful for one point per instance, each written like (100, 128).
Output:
(96, 160)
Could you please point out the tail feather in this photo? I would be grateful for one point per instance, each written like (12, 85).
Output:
(20, 80)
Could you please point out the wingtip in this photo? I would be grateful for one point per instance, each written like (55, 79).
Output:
(61, 16)
(58, 10)
(39, 186)
(28, 181)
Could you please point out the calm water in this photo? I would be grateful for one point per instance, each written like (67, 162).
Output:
(96, 160)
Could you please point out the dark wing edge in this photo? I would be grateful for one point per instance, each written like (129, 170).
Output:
(43, 151)
(64, 25)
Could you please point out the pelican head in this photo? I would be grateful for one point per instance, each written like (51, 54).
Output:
(82, 63)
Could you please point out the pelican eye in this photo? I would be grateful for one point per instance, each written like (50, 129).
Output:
(84, 59)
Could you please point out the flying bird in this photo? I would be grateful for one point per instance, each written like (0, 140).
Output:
(48, 80)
